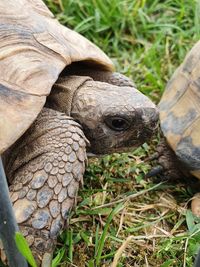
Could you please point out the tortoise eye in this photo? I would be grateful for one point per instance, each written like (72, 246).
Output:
(117, 123)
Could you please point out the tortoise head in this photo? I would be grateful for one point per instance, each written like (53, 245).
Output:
(114, 118)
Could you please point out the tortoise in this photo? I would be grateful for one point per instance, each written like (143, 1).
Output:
(59, 96)
(180, 120)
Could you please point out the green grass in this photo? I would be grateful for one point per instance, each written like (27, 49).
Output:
(122, 218)
(118, 207)
(24, 249)
(145, 39)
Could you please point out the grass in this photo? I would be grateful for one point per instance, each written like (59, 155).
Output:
(145, 39)
(123, 219)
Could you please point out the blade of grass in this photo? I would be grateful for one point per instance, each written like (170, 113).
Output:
(56, 261)
(24, 249)
(70, 240)
(105, 230)
(96, 239)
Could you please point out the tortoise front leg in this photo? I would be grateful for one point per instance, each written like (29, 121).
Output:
(45, 169)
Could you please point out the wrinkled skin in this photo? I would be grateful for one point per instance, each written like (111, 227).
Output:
(115, 116)
(46, 165)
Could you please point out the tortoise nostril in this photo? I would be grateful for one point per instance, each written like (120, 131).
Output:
(147, 119)
(155, 119)
(150, 117)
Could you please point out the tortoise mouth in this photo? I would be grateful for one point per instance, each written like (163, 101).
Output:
(105, 146)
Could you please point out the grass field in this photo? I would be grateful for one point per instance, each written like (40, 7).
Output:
(123, 219)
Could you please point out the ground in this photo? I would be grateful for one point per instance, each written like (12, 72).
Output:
(123, 218)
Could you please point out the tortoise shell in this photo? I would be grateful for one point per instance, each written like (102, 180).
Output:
(34, 49)
(180, 111)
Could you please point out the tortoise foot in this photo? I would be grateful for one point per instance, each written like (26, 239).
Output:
(168, 160)
(168, 166)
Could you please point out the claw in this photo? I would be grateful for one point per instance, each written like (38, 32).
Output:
(155, 171)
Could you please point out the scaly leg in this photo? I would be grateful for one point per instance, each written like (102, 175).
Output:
(45, 168)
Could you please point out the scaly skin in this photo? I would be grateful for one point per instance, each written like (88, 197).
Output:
(45, 178)
(46, 165)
